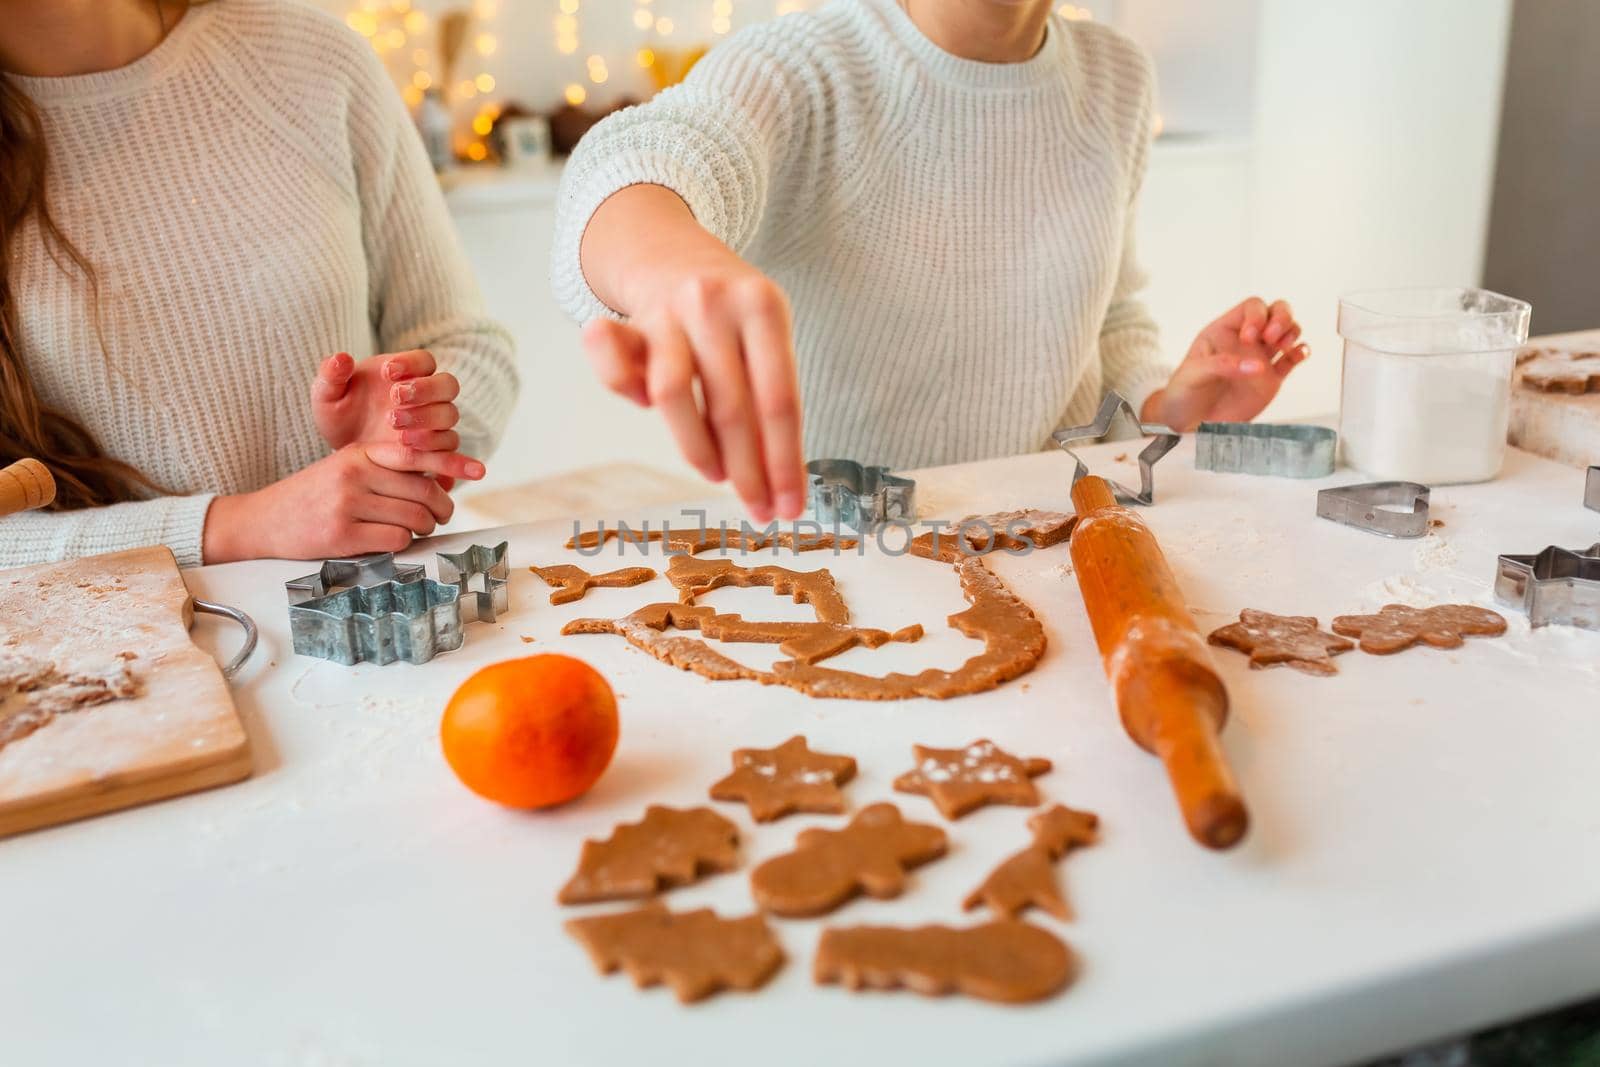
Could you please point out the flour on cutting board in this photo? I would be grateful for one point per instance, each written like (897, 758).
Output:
(81, 622)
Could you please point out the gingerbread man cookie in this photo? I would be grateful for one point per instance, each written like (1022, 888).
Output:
(1274, 640)
(828, 867)
(697, 953)
(668, 847)
(775, 782)
(959, 780)
(1005, 960)
(1397, 627)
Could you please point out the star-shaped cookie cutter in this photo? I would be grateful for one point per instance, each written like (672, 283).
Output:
(483, 576)
(413, 621)
(1164, 440)
(1388, 509)
(1556, 587)
(355, 571)
(842, 492)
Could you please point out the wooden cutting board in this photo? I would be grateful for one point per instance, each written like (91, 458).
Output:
(180, 733)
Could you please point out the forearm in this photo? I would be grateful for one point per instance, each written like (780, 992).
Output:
(638, 241)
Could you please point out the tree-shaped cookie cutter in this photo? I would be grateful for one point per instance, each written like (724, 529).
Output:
(842, 492)
(1388, 509)
(355, 571)
(482, 575)
(1163, 440)
(413, 621)
(1556, 587)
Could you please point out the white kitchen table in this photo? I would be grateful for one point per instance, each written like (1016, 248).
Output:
(1424, 859)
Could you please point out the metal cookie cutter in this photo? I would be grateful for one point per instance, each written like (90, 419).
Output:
(1164, 440)
(844, 493)
(355, 571)
(1557, 587)
(412, 621)
(483, 575)
(1591, 490)
(1277, 450)
(1389, 509)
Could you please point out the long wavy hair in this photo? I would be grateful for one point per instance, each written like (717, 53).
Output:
(85, 476)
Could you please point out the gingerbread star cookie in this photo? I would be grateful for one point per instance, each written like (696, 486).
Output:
(697, 953)
(1275, 640)
(1397, 627)
(776, 782)
(1005, 960)
(959, 780)
(828, 867)
(668, 847)
(1028, 879)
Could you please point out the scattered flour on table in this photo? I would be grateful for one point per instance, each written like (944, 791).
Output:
(1434, 553)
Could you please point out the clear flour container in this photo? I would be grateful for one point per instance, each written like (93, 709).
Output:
(1427, 382)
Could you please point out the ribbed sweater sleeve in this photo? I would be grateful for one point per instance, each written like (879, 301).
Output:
(422, 291)
(175, 521)
(1130, 346)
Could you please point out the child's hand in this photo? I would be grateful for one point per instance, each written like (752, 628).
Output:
(395, 397)
(724, 326)
(1233, 369)
(361, 499)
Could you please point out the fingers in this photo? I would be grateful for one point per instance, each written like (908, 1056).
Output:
(427, 417)
(714, 333)
(417, 363)
(431, 440)
(618, 354)
(403, 458)
(368, 537)
(333, 378)
(670, 382)
(1253, 320)
(1290, 360)
(775, 392)
(409, 488)
(1280, 320)
(392, 511)
(434, 389)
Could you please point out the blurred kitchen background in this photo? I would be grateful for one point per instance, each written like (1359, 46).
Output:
(1307, 148)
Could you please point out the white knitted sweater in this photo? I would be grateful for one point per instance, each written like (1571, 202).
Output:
(254, 199)
(955, 237)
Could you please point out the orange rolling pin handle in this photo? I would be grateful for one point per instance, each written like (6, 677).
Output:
(1171, 701)
(24, 486)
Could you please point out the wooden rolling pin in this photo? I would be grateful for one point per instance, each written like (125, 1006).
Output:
(25, 485)
(1168, 693)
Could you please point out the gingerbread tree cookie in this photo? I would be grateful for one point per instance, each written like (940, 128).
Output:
(1005, 960)
(668, 847)
(775, 782)
(697, 953)
(1272, 640)
(1397, 627)
(1028, 878)
(959, 780)
(828, 867)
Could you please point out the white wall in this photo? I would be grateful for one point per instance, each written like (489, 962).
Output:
(1374, 140)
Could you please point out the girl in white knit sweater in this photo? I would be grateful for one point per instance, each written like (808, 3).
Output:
(912, 220)
(199, 207)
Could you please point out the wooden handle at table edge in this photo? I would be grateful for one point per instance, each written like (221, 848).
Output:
(25, 486)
